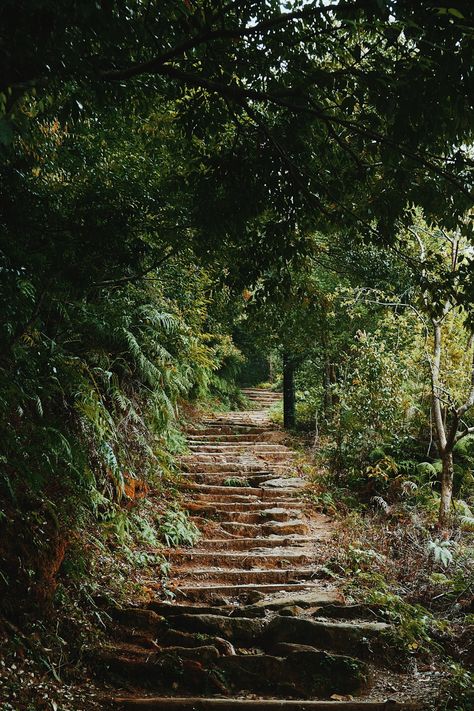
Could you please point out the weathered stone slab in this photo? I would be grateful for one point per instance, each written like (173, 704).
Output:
(362, 639)
(241, 630)
(316, 598)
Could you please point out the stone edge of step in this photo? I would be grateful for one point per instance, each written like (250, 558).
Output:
(223, 704)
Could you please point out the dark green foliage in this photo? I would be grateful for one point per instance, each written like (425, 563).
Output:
(99, 340)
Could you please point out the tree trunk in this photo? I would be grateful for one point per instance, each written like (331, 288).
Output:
(328, 403)
(446, 487)
(289, 417)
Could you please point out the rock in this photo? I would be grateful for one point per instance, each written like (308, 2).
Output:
(137, 618)
(319, 673)
(350, 612)
(186, 639)
(282, 649)
(359, 639)
(205, 654)
(154, 667)
(257, 673)
(224, 646)
(285, 528)
(219, 600)
(252, 597)
(290, 611)
(235, 629)
(171, 608)
(317, 598)
(281, 483)
(303, 671)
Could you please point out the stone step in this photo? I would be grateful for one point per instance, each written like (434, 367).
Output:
(209, 592)
(317, 598)
(278, 634)
(233, 502)
(243, 458)
(225, 447)
(259, 403)
(230, 438)
(244, 560)
(308, 672)
(362, 639)
(260, 396)
(262, 473)
(253, 543)
(281, 482)
(272, 527)
(241, 576)
(259, 424)
(228, 467)
(263, 402)
(238, 457)
(243, 445)
(201, 703)
(261, 492)
(262, 399)
(286, 528)
(229, 427)
(225, 431)
(227, 518)
(237, 515)
(252, 478)
(172, 609)
(263, 517)
(243, 497)
(230, 451)
(254, 446)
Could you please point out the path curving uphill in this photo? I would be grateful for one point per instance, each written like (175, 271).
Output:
(254, 624)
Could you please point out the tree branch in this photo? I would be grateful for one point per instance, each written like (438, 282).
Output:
(239, 93)
(136, 277)
(279, 20)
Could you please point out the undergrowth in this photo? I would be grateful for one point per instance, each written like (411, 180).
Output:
(422, 582)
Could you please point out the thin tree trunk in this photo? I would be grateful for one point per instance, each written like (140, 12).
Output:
(271, 375)
(316, 431)
(327, 389)
(447, 475)
(289, 417)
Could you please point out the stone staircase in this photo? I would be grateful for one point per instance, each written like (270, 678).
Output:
(253, 625)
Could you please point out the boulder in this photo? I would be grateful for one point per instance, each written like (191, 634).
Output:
(360, 639)
(242, 630)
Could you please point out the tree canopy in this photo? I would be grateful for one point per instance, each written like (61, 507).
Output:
(322, 113)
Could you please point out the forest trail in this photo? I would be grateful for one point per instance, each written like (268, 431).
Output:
(254, 623)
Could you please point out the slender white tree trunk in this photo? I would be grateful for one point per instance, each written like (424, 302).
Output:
(447, 476)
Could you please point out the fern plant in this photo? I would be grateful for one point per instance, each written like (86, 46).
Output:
(441, 551)
(177, 529)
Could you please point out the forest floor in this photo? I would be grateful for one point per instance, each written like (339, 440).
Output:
(252, 612)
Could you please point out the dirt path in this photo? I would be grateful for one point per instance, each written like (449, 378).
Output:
(253, 625)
